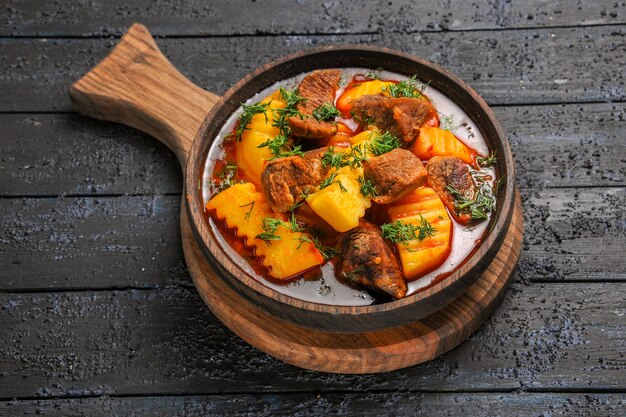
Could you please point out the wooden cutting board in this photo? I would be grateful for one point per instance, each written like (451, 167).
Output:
(358, 353)
(137, 86)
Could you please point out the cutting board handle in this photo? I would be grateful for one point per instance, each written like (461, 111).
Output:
(137, 86)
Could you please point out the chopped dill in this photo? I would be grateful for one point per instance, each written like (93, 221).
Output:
(326, 112)
(292, 98)
(399, 232)
(426, 229)
(410, 88)
(293, 224)
(249, 111)
(326, 251)
(362, 118)
(357, 155)
(303, 195)
(280, 148)
(383, 143)
(270, 225)
(334, 159)
(487, 161)
(353, 158)
(226, 178)
(328, 181)
(249, 212)
(353, 276)
(331, 180)
(479, 207)
(367, 188)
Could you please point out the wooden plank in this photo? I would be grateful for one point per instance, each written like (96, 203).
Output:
(508, 67)
(222, 17)
(42, 154)
(364, 404)
(574, 234)
(115, 242)
(144, 342)
(69, 154)
(577, 145)
(91, 243)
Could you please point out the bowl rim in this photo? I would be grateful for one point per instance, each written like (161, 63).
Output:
(469, 269)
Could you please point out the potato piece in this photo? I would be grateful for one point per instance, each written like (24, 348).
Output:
(433, 141)
(420, 257)
(344, 103)
(243, 210)
(250, 158)
(341, 208)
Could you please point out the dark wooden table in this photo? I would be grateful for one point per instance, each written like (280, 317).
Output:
(98, 315)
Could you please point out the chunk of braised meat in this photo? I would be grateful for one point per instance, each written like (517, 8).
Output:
(394, 174)
(368, 260)
(446, 171)
(318, 88)
(287, 181)
(402, 117)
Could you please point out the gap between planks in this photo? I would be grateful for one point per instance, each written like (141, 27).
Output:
(177, 194)
(315, 34)
(325, 392)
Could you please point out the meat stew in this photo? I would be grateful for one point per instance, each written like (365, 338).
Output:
(340, 196)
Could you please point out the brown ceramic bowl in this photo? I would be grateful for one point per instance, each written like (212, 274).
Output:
(351, 318)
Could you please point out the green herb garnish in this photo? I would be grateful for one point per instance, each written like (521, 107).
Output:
(326, 251)
(326, 112)
(487, 161)
(353, 275)
(293, 224)
(331, 180)
(270, 225)
(367, 188)
(292, 99)
(363, 119)
(303, 195)
(399, 232)
(249, 212)
(279, 147)
(357, 156)
(410, 88)
(249, 111)
(334, 159)
(479, 207)
(328, 181)
(383, 143)
(226, 178)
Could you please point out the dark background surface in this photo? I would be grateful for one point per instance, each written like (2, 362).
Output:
(98, 315)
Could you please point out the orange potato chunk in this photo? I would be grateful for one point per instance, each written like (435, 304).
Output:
(420, 257)
(243, 209)
(344, 103)
(433, 141)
